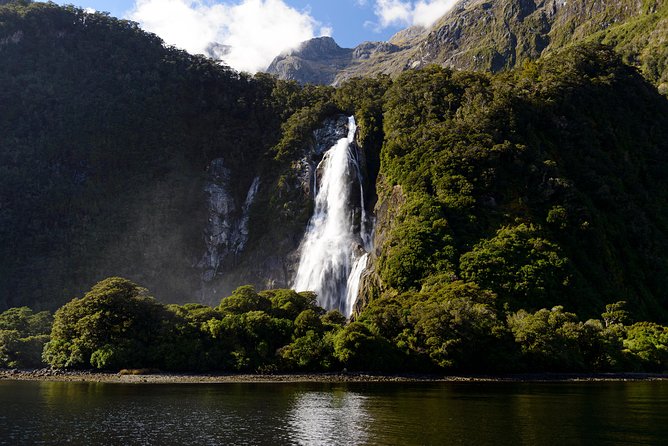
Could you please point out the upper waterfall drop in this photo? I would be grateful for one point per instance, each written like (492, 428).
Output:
(334, 247)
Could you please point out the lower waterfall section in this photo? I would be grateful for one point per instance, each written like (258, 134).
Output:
(334, 248)
(353, 283)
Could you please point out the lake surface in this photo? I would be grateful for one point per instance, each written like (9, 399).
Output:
(612, 413)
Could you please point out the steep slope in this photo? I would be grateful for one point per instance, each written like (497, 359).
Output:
(545, 185)
(120, 156)
(498, 35)
(322, 61)
(316, 61)
(485, 35)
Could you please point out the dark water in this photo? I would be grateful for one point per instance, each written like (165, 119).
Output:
(331, 414)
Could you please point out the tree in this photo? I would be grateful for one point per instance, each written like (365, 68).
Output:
(22, 337)
(308, 320)
(554, 340)
(111, 327)
(289, 304)
(184, 344)
(647, 343)
(357, 348)
(615, 314)
(243, 300)
(522, 267)
(26, 322)
(457, 328)
(313, 351)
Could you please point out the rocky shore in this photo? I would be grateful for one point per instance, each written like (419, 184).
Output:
(155, 377)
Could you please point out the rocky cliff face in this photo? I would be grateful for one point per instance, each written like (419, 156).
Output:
(316, 61)
(498, 35)
(240, 247)
(322, 61)
(390, 200)
(226, 232)
(493, 36)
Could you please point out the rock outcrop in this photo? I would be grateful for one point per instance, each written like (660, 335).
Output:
(222, 215)
(226, 232)
(390, 200)
(316, 61)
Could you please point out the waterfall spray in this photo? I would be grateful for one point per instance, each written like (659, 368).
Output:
(333, 251)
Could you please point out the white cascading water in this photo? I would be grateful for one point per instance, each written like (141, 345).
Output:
(353, 283)
(333, 251)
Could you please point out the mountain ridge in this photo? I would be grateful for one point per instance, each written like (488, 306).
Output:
(498, 35)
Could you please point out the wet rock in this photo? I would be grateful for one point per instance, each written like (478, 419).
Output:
(226, 233)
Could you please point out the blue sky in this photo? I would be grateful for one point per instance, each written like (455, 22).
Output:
(346, 17)
(257, 30)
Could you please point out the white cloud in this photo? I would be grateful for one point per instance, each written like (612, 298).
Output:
(256, 30)
(409, 13)
(393, 12)
(427, 12)
(326, 31)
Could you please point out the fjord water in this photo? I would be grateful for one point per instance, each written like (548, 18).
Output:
(611, 413)
(333, 252)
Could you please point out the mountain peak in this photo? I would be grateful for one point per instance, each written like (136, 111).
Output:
(315, 61)
(317, 48)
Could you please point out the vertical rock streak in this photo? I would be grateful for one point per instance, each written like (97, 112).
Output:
(226, 233)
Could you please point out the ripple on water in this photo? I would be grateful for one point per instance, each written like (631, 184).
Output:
(329, 418)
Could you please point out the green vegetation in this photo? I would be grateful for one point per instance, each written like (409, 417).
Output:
(452, 328)
(116, 325)
(505, 34)
(511, 209)
(544, 185)
(111, 326)
(519, 264)
(23, 334)
(107, 135)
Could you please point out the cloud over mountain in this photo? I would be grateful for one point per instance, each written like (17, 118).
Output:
(408, 13)
(255, 30)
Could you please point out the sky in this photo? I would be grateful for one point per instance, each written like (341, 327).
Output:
(259, 30)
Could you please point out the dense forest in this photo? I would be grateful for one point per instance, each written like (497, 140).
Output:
(520, 217)
(107, 135)
(118, 325)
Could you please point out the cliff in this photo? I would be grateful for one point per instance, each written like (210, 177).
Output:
(316, 61)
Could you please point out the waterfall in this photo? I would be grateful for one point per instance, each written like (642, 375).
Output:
(241, 235)
(353, 283)
(333, 251)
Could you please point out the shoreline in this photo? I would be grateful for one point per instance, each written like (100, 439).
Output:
(49, 375)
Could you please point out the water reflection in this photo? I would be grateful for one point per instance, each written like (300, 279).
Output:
(334, 414)
(337, 417)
